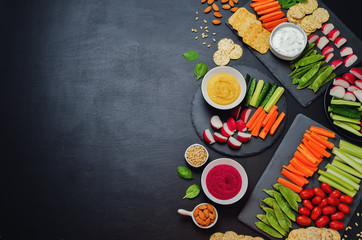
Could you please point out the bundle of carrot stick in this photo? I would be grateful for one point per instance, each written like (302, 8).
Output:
(270, 13)
(307, 157)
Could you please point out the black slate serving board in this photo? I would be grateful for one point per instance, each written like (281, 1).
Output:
(281, 70)
(201, 113)
(281, 157)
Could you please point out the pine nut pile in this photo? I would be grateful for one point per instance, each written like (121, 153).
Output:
(196, 155)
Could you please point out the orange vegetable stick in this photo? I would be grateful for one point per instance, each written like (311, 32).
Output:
(317, 137)
(322, 137)
(294, 170)
(270, 15)
(317, 148)
(256, 120)
(303, 167)
(290, 185)
(322, 131)
(269, 10)
(255, 115)
(315, 152)
(308, 155)
(272, 110)
(274, 23)
(259, 3)
(256, 129)
(267, 127)
(259, 0)
(298, 180)
(313, 141)
(302, 159)
(267, 5)
(275, 17)
(271, 29)
(277, 123)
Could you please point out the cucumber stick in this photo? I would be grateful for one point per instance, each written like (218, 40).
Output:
(347, 128)
(270, 93)
(250, 92)
(337, 117)
(345, 102)
(254, 98)
(274, 99)
(263, 93)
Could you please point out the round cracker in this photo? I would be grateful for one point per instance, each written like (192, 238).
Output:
(237, 52)
(226, 44)
(230, 235)
(321, 15)
(295, 12)
(292, 19)
(216, 236)
(309, 24)
(308, 6)
(221, 58)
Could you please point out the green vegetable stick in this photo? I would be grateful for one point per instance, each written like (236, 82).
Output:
(336, 186)
(347, 128)
(270, 93)
(354, 126)
(346, 168)
(347, 159)
(247, 78)
(339, 178)
(344, 119)
(263, 93)
(350, 148)
(274, 99)
(345, 102)
(250, 92)
(347, 175)
(357, 159)
(259, 87)
(345, 112)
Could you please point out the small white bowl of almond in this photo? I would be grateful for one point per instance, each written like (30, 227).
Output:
(196, 155)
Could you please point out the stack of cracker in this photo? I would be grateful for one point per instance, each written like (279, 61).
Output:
(250, 29)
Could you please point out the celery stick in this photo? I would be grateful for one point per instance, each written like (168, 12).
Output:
(340, 118)
(254, 98)
(348, 160)
(347, 175)
(357, 159)
(350, 148)
(346, 168)
(337, 186)
(274, 99)
(347, 128)
(354, 126)
(346, 180)
(337, 179)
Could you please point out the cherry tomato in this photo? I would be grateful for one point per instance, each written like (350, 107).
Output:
(323, 203)
(322, 221)
(346, 199)
(306, 193)
(344, 208)
(328, 210)
(319, 192)
(326, 188)
(333, 201)
(316, 212)
(336, 225)
(316, 200)
(335, 194)
(337, 216)
(308, 204)
(304, 211)
(304, 220)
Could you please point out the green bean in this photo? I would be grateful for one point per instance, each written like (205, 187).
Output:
(284, 206)
(298, 72)
(321, 78)
(280, 217)
(329, 78)
(269, 192)
(308, 60)
(307, 50)
(308, 75)
(268, 230)
(272, 219)
(278, 186)
(269, 201)
(267, 209)
(295, 80)
(262, 217)
(291, 199)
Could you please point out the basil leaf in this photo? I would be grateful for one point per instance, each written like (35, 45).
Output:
(192, 191)
(290, 4)
(200, 70)
(191, 55)
(184, 172)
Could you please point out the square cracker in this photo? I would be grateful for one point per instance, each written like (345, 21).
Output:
(240, 15)
(257, 37)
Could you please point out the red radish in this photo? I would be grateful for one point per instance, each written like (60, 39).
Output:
(322, 42)
(349, 77)
(233, 143)
(352, 88)
(236, 111)
(328, 56)
(245, 115)
(208, 136)
(340, 41)
(220, 138)
(346, 51)
(358, 94)
(358, 83)
(338, 81)
(226, 131)
(312, 38)
(349, 60)
(243, 137)
(231, 124)
(327, 27)
(349, 96)
(332, 35)
(327, 49)
(337, 91)
(241, 126)
(336, 63)
(216, 122)
(357, 72)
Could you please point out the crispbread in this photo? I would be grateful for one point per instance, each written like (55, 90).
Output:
(296, 12)
(230, 235)
(240, 14)
(321, 15)
(257, 37)
(216, 236)
(221, 58)
(243, 27)
(236, 53)
(308, 6)
(226, 44)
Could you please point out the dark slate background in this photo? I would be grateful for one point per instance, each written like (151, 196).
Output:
(95, 101)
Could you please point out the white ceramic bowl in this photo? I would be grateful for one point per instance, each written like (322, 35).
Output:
(280, 55)
(238, 167)
(207, 155)
(188, 213)
(223, 70)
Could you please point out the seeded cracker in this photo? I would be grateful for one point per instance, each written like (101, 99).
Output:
(321, 15)
(226, 44)
(239, 15)
(217, 236)
(296, 12)
(257, 37)
(237, 52)
(221, 58)
(292, 19)
(230, 235)
(308, 6)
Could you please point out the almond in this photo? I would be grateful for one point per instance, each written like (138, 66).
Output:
(210, 207)
(224, 1)
(196, 213)
(203, 1)
(231, 3)
(217, 14)
(215, 7)
(202, 207)
(207, 10)
(234, 9)
(200, 221)
(206, 213)
(216, 22)
(236, 1)
(210, 2)
(201, 215)
(226, 6)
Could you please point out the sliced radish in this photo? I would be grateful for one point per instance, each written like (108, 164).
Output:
(337, 91)
(226, 131)
(349, 60)
(245, 115)
(235, 112)
(358, 94)
(322, 42)
(231, 124)
(336, 63)
(358, 83)
(340, 41)
(332, 35)
(220, 138)
(312, 38)
(233, 143)
(338, 81)
(241, 126)
(328, 56)
(353, 88)
(208, 136)
(327, 27)
(346, 51)
(357, 72)
(216, 122)
(349, 96)
(349, 77)
(327, 49)
(243, 137)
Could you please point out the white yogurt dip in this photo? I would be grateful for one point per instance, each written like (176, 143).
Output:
(288, 41)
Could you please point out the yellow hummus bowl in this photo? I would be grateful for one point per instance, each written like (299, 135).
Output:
(223, 87)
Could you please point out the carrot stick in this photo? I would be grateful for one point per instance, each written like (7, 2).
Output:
(274, 23)
(318, 138)
(259, 0)
(269, 10)
(275, 17)
(290, 185)
(313, 141)
(298, 155)
(317, 148)
(271, 29)
(294, 170)
(274, 108)
(256, 120)
(322, 137)
(322, 131)
(255, 115)
(266, 5)
(254, 4)
(298, 180)
(256, 129)
(267, 127)
(308, 155)
(277, 123)
(302, 167)
(314, 151)
(270, 15)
